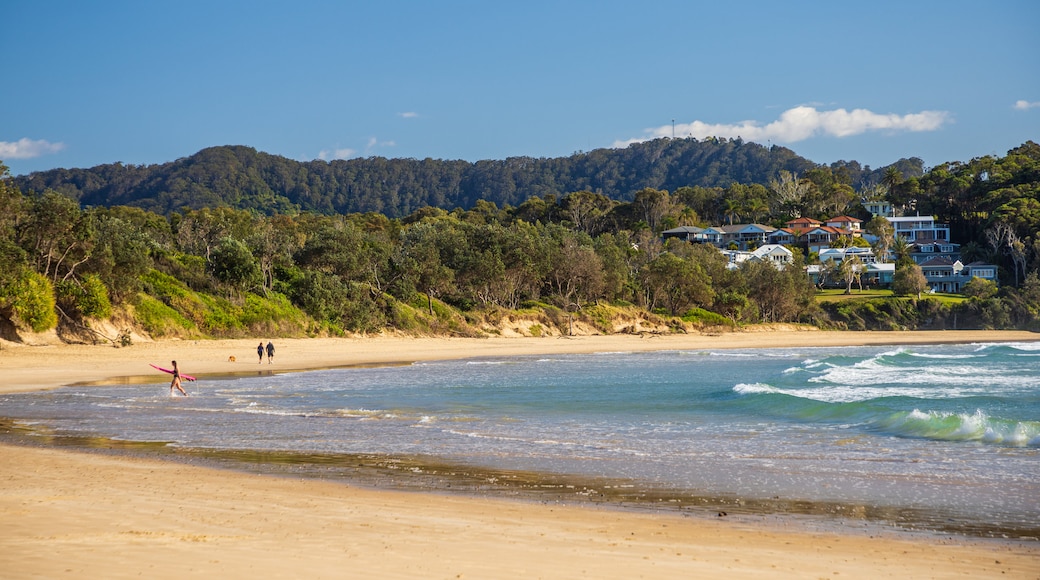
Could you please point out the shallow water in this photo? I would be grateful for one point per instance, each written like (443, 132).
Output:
(949, 434)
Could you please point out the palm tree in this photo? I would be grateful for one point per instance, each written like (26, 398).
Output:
(902, 249)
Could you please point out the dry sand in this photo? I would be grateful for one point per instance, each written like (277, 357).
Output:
(83, 515)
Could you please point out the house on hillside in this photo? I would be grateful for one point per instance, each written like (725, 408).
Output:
(803, 224)
(715, 235)
(879, 274)
(744, 236)
(923, 251)
(945, 275)
(691, 234)
(981, 270)
(784, 237)
(747, 236)
(775, 254)
(820, 237)
(838, 255)
(851, 226)
(920, 229)
(879, 208)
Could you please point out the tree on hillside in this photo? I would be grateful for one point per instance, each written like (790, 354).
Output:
(788, 193)
(677, 283)
(576, 274)
(12, 257)
(909, 279)
(884, 232)
(1004, 240)
(979, 288)
(233, 264)
(586, 210)
(420, 261)
(56, 235)
(851, 270)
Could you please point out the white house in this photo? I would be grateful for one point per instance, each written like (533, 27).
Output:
(775, 254)
(920, 229)
(865, 255)
(879, 208)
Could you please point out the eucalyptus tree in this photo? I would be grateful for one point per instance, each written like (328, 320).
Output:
(586, 211)
(55, 235)
(576, 274)
(780, 294)
(423, 257)
(676, 282)
(232, 263)
(13, 257)
(851, 271)
(121, 253)
(273, 241)
(909, 279)
(884, 234)
(653, 206)
(1002, 237)
(788, 194)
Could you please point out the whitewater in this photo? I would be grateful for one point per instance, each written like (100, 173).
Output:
(943, 437)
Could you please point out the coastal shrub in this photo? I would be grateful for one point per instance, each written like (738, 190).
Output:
(272, 315)
(219, 316)
(31, 301)
(94, 301)
(159, 320)
(533, 305)
(404, 317)
(600, 317)
(980, 288)
(364, 310)
(88, 297)
(704, 317)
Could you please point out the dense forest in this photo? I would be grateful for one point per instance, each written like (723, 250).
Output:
(207, 246)
(242, 178)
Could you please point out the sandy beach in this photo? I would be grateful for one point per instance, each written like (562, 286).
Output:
(87, 515)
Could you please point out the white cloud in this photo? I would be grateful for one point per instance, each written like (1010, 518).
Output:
(347, 153)
(373, 143)
(408, 115)
(330, 154)
(1024, 105)
(801, 123)
(27, 148)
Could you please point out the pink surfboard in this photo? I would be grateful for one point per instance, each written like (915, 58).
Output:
(170, 371)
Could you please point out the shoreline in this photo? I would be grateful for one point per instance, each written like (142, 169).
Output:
(427, 475)
(30, 368)
(120, 514)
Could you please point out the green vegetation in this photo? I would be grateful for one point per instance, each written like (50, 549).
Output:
(233, 255)
(30, 301)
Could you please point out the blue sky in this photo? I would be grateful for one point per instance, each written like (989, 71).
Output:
(148, 82)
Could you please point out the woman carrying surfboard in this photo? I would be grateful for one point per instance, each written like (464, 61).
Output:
(176, 382)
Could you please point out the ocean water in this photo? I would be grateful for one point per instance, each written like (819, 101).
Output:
(947, 433)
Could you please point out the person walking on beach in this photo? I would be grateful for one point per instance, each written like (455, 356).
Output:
(260, 352)
(270, 352)
(176, 382)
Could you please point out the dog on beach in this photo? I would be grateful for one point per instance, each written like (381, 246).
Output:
(231, 358)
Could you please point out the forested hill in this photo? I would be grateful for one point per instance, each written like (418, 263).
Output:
(243, 178)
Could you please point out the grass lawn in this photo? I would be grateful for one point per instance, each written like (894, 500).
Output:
(839, 295)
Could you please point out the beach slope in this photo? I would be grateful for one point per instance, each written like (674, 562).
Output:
(78, 515)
